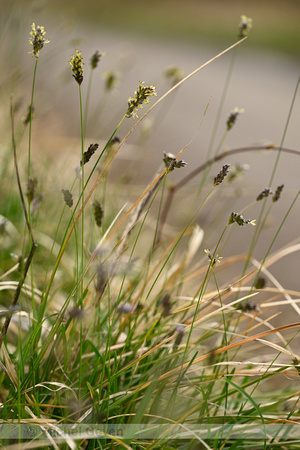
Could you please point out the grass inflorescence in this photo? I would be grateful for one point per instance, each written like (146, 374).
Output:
(118, 327)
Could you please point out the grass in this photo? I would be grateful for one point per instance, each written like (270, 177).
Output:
(118, 328)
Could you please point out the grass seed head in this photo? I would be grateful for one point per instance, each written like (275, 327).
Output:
(245, 26)
(174, 74)
(215, 259)
(29, 115)
(249, 307)
(31, 189)
(233, 117)
(265, 193)
(239, 219)
(260, 283)
(95, 59)
(68, 198)
(76, 63)
(111, 79)
(277, 194)
(221, 175)
(98, 213)
(89, 153)
(140, 98)
(37, 39)
(171, 162)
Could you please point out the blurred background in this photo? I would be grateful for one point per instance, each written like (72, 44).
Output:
(141, 41)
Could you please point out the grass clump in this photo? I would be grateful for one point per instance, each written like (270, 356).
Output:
(117, 328)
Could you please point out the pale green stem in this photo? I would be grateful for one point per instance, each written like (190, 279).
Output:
(203, 290)
(73, 221)
(29, 169)
(258, 229)
(222, 101)
(87, 102)
(30, 118)
(82, 185)
(217, 121)
(284, 132)
(82, 237)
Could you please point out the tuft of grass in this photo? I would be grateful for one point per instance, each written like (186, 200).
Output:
(118, 326)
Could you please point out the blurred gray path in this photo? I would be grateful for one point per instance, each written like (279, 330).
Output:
(262, 83)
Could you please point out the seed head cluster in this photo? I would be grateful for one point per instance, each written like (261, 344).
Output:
(68, 198)
(221, 175)
(98, 213)
(95, 59)
(31, 189)
(37, 39)
(245, 26)
(239, 219)
(88, 154)
(232, 117)
(277, 194)
(214, 259)
(265, 193)
(76, 63)
(171, 162)
(140, 98)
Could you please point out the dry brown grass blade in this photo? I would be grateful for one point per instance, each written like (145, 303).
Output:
(229, 347)
(215, 293)
(208, 355)
(10, 370)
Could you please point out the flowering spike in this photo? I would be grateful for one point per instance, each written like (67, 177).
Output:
(31, 189)
(68, 198)
(277, 194)
(265, 193)
(29, 116)
(245, 26)
(37, 39)
(239, 219)
(249, 307)
(214, 260)
(221, 175)
(98, 213)
(76, 63)
(232, 117)
(111, 79)
(95, 59)
(171, 162)
(141, 97)
(174, 74)
(88, 154)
